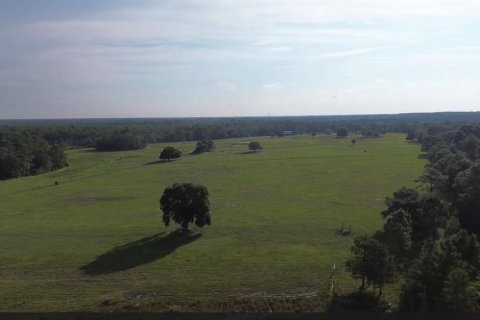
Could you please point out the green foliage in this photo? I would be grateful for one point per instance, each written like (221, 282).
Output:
(431, 178)
(121, 140)
(442, 174)
(23, 154)
(371, 131)
(429, 141)
(170, 153)
(186, 203)
(58, 158)
(254, 145)
(397, 233)
(204, 146)
(444, 276)
(418, 215)
(357, 301)
(371, 263)
(342, 132)
(468, 185)
(429, 233)
(405, 198)
(410, 136)
(470, 146)
(460, 293)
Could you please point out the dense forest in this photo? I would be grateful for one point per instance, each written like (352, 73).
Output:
(24, 154)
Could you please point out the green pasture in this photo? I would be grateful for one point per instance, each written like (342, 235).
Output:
(96, 241)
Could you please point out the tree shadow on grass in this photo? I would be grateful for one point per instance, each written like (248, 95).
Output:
(158, 162)
(248, 152)
(139, 252)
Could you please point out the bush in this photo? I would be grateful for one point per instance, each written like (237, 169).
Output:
(204, 146)
(357, 301)
(254, 146)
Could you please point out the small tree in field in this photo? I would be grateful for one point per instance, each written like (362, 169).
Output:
(186, 203)
(254, 146)
(170, 153)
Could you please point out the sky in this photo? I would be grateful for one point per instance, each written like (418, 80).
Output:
(211, 58)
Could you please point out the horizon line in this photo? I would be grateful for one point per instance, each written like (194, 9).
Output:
(225, 117)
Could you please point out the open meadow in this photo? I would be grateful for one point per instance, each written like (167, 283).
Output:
(96, 240)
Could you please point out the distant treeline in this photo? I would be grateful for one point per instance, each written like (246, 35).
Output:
(24, 154)
(120, 140)
(34, 146)
(112, 134)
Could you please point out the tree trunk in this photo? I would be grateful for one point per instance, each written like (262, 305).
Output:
(362, 287)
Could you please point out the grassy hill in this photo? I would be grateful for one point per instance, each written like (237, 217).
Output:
(96, 241)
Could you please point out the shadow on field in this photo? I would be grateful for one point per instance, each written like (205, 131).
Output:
(139, 252)
(157, 162)
(248, 152)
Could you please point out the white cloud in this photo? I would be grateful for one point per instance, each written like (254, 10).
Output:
(274, 86)
(348, 53)
(171, 49)
(227, 86)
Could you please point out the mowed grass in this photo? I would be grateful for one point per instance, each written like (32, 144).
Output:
(274, 216)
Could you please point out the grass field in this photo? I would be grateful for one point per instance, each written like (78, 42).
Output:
(96, 241)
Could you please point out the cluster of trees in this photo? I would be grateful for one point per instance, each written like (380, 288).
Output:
(121, 140)
(372, 130)
(369, 130)
(24, 154)
(204, 145)
(169, 153)
(430, 236)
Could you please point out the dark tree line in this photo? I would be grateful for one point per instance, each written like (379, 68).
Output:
(103, 133)
(24, 154)
(109, 134)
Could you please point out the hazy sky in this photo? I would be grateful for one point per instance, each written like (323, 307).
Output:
(99, 58)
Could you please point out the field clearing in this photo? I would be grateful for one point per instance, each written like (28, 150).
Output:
(274, 216)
